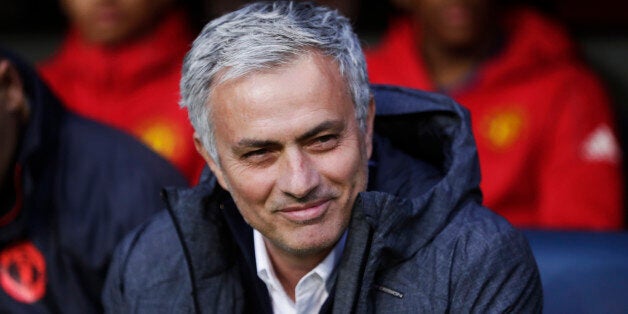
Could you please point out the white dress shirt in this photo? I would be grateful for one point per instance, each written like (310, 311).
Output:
(311, 291)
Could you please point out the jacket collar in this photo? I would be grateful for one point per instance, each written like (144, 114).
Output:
(430, 128)
(207, 222)
(523, 50)
(45, 114)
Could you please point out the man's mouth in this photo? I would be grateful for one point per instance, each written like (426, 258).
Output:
(305, 213)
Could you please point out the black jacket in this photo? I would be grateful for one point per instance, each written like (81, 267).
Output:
(432, 249)
(81, 186)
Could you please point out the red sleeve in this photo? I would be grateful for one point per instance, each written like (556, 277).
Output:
(581, 178)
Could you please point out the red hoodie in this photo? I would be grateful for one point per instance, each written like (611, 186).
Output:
(134, 87)
(542, 123)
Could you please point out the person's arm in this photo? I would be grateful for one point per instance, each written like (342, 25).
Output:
(580, 178)
(112, 294)
(147, 272)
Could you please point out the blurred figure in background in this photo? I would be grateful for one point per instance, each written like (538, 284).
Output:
(215, 8)
(120, 64)
(70, 188)
(549, 157)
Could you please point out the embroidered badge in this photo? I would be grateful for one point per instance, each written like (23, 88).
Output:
(23, 272)
(160, 136)
(503, 128)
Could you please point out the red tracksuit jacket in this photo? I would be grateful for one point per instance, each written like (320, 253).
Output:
(542, 122)
(134, 87)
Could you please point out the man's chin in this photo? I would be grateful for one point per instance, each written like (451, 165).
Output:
(310, 247)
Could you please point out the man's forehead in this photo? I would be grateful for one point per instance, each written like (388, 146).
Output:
(311, 71)
(285, 103)
(245, 69)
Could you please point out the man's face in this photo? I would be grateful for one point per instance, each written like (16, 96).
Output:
(455, 23)
(291, 153)
(13, 110)
(114, 21)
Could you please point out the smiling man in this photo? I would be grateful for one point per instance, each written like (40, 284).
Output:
(284, 116)
(293, 157)
(291, 154)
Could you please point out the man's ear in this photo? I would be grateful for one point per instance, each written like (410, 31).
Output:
(213, 165)
(11, 90)
(370, 121)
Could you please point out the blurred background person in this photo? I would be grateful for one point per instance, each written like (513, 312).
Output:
(542, 121)
(70, 188)
(215, 8)
(120, 64)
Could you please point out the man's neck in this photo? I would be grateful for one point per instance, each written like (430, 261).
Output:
(290, 268)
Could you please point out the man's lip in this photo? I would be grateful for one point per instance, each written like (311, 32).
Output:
(306, 212)
(303, 207)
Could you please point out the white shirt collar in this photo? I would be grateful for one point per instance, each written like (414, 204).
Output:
(306, 297)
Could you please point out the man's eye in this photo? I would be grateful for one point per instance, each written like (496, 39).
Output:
(255, 153)
(258, 157)
(325, 142)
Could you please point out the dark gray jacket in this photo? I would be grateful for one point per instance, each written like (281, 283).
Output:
(81, 186)
(433, 248)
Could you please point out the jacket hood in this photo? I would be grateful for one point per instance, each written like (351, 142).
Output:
(435, 131)
(36, 139)
(44, 109)
(532, 41)
(529, 42)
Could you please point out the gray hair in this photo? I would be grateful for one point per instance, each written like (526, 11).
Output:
(267, 35)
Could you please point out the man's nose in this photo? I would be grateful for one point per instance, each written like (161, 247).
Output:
(299, 175)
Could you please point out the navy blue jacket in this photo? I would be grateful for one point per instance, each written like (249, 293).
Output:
(432, 248)
(80, 187)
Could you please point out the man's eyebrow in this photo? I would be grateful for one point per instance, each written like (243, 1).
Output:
(335, 125)
(253, 143)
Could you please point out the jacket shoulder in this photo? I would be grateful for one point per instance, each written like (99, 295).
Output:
(106, 171)
(88, 141)
(107, 182)
(493, 268)
(147, 269)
